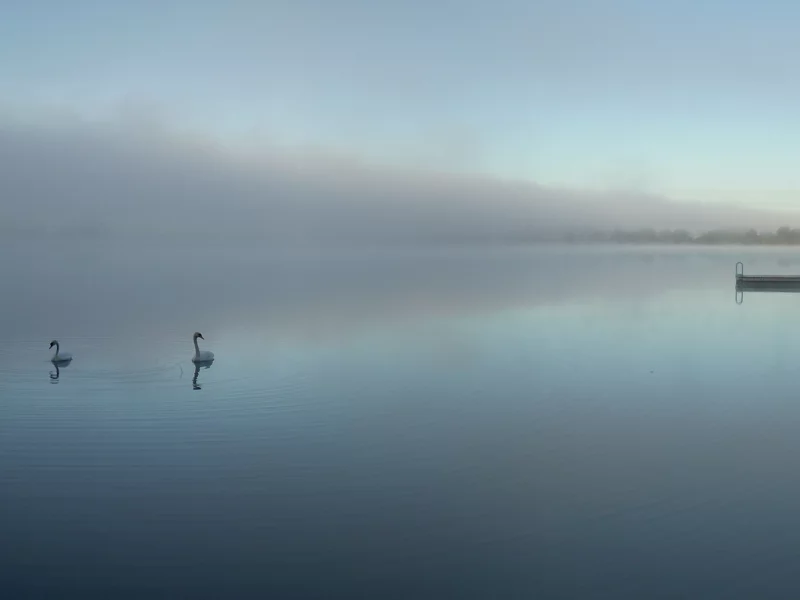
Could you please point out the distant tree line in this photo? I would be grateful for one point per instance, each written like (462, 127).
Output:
(783, 236)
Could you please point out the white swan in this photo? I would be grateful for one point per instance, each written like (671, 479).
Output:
(201, 356)
(59, 357)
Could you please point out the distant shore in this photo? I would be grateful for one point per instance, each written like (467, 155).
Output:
(783, 236)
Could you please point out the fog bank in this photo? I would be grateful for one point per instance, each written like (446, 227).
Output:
(120, 177)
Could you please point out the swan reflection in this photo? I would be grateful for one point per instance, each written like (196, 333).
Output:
(197, 367)
(58, 365)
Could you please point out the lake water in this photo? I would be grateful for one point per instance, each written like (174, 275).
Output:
(428, 423)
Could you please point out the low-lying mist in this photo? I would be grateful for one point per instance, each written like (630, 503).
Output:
(113, 178)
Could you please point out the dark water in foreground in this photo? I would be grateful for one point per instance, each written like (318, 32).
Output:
(548, 423)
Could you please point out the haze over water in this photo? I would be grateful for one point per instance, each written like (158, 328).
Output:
(595, 422)
(404, 405)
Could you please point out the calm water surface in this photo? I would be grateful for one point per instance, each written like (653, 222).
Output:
(446, 423)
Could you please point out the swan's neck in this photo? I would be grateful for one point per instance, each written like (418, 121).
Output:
(56, 354)
(196, 348)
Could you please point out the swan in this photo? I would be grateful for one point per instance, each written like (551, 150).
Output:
(201, 356)
(59, 357)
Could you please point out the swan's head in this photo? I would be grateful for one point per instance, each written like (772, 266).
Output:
(53, 343)
(197, 334)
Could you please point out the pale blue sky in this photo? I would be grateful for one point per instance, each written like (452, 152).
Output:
(684, 98)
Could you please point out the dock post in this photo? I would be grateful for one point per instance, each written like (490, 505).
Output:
(739, 271)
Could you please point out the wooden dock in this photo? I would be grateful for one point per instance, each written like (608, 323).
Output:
(766, 283)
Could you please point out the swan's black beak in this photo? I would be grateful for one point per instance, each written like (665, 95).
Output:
(52, 344)
(201, 336)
